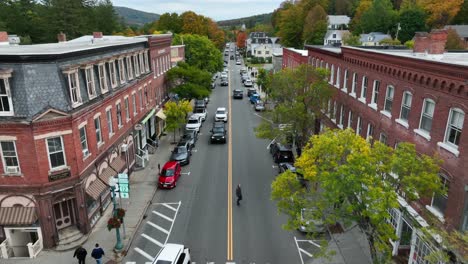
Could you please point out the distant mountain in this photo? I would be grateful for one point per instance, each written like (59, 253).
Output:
(248, 21)
(135, 17)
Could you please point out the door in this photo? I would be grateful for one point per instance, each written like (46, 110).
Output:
(64, 214)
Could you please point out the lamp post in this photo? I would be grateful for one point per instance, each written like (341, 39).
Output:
(118, 245)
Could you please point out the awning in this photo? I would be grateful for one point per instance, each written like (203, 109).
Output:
(18, 215)
(148, 116)
(97, 187)
(161, 114)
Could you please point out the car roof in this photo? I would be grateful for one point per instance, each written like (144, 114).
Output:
(221, 109)
(170, 252)
(194, 117)
(170, 164)
(237, 90)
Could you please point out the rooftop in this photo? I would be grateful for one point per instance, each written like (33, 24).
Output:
(302, 52)
(338, 20)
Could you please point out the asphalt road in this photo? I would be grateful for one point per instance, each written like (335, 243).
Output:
(201, 212)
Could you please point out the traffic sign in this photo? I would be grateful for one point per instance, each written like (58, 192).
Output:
(124, 190)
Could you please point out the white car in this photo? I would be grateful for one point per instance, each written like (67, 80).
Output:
(238, 63)
(221, 114)
(194, 123)
(224, 75)
(248, 83)
(173, 253)
(200, 112)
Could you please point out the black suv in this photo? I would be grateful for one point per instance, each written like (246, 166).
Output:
(218, 133)
(237, 94)
(285, 166)
(281, 153)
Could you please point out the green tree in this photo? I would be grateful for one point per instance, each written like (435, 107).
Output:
(354, 181)
(200, 52)
(351, 40)
(462, 16)
(105, 19)
(298, 94)
(169, 22)
(189, 82)
(176, 112)
(411, 20)
(315, 26)
(380, 17)
(291, 27)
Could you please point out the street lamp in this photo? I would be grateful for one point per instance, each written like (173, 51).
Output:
(112, 183)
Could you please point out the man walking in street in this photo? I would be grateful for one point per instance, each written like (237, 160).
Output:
(97, 254)
(80, 254)
(238, 194)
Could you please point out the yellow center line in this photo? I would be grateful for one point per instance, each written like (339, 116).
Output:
(230, 253)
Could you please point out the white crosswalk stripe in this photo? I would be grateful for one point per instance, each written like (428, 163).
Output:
(170, 207)
(158, 227)
(153, 240)
(163, 216)
(144, 254)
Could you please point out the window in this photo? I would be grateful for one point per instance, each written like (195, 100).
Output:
(74, 86)
(421, 251)
(353, 87)
(383, 138)
(135, 64)
(338, 73)
(84, 142)
(364, 88)
(317, 63)
(345, 81)
(134, 104)
(159, 66)
(426, 115)
(359, 126)
(370, 130)
(121, 71)
(329, 109)
(129, 68)
(267, 52)
(334, 112)
(375, 93)
(146, 95)
(56, 152)
(109, 122)
(145, 55)
(389, 99)
(10, 157)
(102, 78)
(89, 74)
(406, 106)
(454, 126)
(118, 109)
(127, 109)
(142, 63)
(140, 98)
(340, 122)
(350, 119)
(6, 103)
(332, 74)
(113, 74)
(439, 201)
(97, 127)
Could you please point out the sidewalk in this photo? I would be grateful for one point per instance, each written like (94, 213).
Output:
(142, 190)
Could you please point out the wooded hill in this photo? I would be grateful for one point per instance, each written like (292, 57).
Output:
(134, 17)
(249, 22)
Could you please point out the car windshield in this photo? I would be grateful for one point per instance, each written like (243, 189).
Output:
(187, 136)
(179, 150)
(218, 130)
(192, 121)
(199, 110)
(167, 173)
(220, 112)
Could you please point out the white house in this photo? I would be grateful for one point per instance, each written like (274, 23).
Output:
(334, 37)
(260, 45)
(336, 27)
(373, 38)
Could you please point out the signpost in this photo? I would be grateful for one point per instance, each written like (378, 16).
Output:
(123, 189)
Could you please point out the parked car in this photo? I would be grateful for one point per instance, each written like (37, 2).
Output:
(310, 222)
(190, 136)
(224, 74)
(213, 85)
(244, 77)
(218, 133)
(243, 70)
(224, 82)
(215, 76)
(254, 98)
(285, 166)
(237, 94)
(251, 91)
(181, 153)
(232, 57)
(248, 83)
(201, 112)
(200, 103)
(259, 106)
(281, 153)
(221, 114)
(169, 174)
(173, 253)
(194, 123)
(238, 62)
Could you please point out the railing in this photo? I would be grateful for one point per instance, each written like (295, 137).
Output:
(5, 250)
(35, 248)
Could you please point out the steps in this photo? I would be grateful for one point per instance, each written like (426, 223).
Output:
(70, 238)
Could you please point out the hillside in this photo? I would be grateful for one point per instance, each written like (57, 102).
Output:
(248, 21)
(135, 17)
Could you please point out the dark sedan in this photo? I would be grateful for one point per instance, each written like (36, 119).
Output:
(181, 153)
(237, 94)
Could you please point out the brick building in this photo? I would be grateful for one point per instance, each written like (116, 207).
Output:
(418, 96)
(294, 57)
(73, 115)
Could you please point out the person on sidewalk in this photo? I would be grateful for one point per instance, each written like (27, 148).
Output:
(97, 254)
(80, 254)
(238, 194)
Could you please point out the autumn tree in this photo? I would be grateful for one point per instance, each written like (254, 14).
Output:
(440, 12)
(298, 94)
(193, 24)
(315, 26)
(176, 112)
(454, 41)
(291, 26)
(354, 180)
(240, 39)
(412, 20)
(189, 82)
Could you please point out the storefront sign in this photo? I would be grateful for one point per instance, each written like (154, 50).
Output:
(59, 175)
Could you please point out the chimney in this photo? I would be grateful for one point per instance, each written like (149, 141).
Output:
(4, 38)
(431, 43)
(97, 35)
(61, 37)
(421, 42)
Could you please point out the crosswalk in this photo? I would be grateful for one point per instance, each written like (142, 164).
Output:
(194, 263)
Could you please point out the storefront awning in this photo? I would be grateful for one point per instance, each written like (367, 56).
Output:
(148, 116)
(97, 187)
(161, 114)
(18, 215)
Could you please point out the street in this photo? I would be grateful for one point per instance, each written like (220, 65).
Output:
(207, 220)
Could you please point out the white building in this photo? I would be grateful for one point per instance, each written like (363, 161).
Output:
(373, 38)
(336, 28)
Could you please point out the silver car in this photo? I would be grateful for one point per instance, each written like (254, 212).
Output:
(259, 106)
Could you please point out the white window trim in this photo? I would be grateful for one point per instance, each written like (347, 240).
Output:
(403, 104)
(104, 86)
(353, 85)
(386, 113)
(423, 134)
(122, 71)
(119, 122)
(64, 155)
(136, 67)
(74, 74)
(145, 55)
(332, 74)
(374, 98)
(422, 113)
(338, 79)
(371, 105)
(86, 140)
(364, 93)
(4, 78)
(368, 130)
(52, 134)
(90, 68)
(402, 122)
(345, 81)
(359, 126)
(129, 67)
(113, 77)
(17, 159)
(82, 124)
(350, 118)
(127, 109)
(446, 142)
(449, 147)
(99, 143)
(435, 212)
(111, 128)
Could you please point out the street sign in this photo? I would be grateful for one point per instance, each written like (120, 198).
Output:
(124, 191)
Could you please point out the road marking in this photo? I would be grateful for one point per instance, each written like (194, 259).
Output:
(230, 253)
(158, 227)
(313, 243)
(194, 150)
(305, 252)
(185, 173)
(269, 144)
(163, 216)
(297, 245)
(264, 118)
(170, 207)
(144, 254)
(152, 240)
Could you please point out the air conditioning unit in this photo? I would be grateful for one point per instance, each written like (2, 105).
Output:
(85, 152)
(12, 169)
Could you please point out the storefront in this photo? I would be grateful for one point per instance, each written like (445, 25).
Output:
(160, 122)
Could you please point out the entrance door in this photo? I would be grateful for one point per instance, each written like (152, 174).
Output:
(64, 214)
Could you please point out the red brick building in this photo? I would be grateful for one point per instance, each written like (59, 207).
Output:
(294, 57)
(73, 115)
(418, 96)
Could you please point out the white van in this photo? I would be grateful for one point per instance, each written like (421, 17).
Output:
(173, 254)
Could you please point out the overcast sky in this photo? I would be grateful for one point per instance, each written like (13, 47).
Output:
(215, 9)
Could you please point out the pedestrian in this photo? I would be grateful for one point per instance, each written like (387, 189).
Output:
(80, 254)
(97, 254)
(238, 194)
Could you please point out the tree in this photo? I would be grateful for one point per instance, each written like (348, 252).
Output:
(200, 52)
(462, 17)
(298, 95)
(315, 26)
(356, 23)
(351, 40)
(176, 112)
(240, 39)
(291, 27)
(105, 19)
(356, 181)
(189, 82)
(380, 17)
(440, 12)
(411, 20)
(454, 40)
(193, 24)
(343, 7)
(169, 22)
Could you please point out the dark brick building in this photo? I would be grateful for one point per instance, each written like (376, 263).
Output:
(418, 96)
(73, 115)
